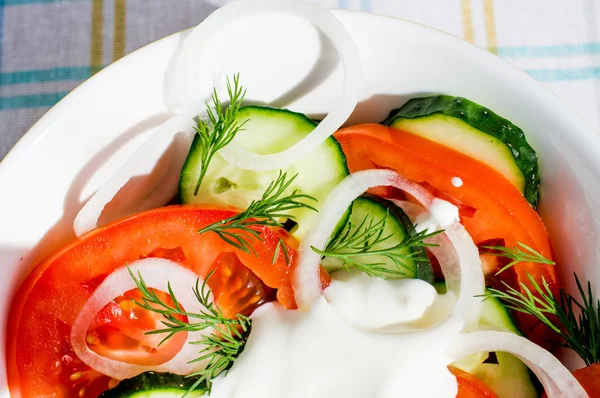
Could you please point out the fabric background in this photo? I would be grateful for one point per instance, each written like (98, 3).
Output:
(48, 47)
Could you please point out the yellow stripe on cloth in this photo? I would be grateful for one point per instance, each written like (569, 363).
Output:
(119, 31)
(96, 47)
(467, 21)
(490, 26)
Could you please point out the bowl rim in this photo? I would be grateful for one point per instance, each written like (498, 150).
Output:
(586, 141)
(585, 131)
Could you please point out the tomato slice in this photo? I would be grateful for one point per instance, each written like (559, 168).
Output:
(119, 332)
(40, 360)
(492, 208)
(589, 378)
(470, 386)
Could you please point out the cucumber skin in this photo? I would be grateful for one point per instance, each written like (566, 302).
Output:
(484, 120)
(501, 317)
(147, 382)
(187, 182)
(424, 270)
(195, 147)
(505, 319)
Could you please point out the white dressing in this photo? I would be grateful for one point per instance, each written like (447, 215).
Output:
(316, 353)
(439, 215)
(374, 303)
(457, 254)
(456, 182)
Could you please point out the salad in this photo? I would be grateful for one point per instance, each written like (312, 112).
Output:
(279, 256)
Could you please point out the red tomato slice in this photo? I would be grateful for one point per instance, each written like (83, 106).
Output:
(119, 332)
(491, 208)
(496, 209)
(39, 357)
(470, 386)
(589, 378)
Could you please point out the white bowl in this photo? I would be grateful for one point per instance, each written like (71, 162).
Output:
(284, 61)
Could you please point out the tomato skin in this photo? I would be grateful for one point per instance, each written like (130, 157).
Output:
(470, 386)
(119, 332)
(589, 378)
(50, 298)
(491, 207)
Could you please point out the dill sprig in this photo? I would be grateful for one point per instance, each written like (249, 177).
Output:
(221, 347)
(577, 322)
(356, 246)
(281, 247)
(240, 230)
(220, 127)
(519, 253)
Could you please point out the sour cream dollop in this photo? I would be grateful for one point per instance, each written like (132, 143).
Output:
(318, 353)
(440, 215)
(386, 305)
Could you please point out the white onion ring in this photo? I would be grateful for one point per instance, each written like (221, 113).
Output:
(193, 93)
(470, 279)
(412, 210)
(306, 280)
(157, 274)
(177, 132)
(554, 376)
(457, 253)
(460, 263)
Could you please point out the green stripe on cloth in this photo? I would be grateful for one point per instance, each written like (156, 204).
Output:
(549, 51)
(119, 30)
(45, 75)
(467, 21)
(490, 26)
(31, 101)
(97, 43)
(559, 75)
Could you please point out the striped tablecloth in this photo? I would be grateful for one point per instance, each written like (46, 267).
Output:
(48, 47)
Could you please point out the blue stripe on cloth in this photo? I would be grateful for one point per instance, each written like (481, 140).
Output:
(31, 101)
(559, 75)
(549, 51)
(543, 75)
(365, 5)
(23, 2)
(2, 2)
(343, 4)
(45, 75)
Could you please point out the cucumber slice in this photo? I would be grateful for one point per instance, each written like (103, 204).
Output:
(495, 313)
(398, 225)
(509, 377)
(267, 130)
(476, 131)
(154, 385)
